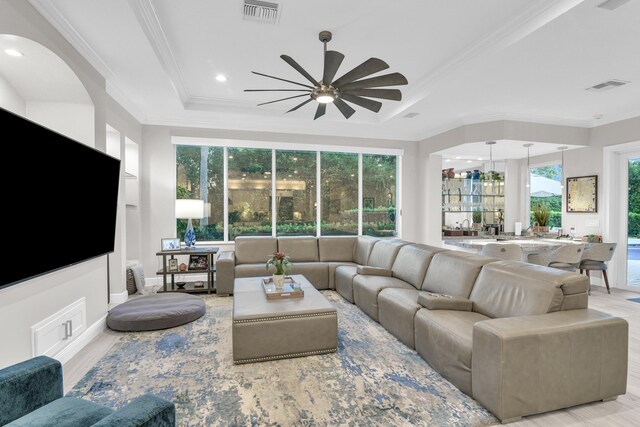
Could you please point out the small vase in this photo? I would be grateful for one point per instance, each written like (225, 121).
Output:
(190, 235)
(476, 174)
(451, 173)
(278, 280)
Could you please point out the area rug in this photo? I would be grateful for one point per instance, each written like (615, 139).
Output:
(634, 299)
(372, 380)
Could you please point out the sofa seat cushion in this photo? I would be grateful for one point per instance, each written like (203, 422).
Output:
(454, 273)
(66, 411)
(396, 309)
(337, 248)
(299, 248)
(445, 339)
(344, 280)
(333, 266)
(315, 272)
(367, 288)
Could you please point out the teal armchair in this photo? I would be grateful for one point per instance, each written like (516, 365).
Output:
(31, 395)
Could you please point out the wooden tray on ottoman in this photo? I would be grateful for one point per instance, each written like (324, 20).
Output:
(291, 289)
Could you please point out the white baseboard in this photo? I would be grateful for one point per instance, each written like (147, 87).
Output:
(118, 298)
(79, 343)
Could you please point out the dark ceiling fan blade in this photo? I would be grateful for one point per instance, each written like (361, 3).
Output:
(299, 69)
(277, 90)
(320, 110)
(393, 79)
(370, 66)
(300, 105)
(392, 94)
(284, 80)
(332, 61)
(283, 99)
(344, 108)
(369, 104)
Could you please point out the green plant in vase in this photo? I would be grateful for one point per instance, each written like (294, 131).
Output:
(540, 214)
(476, 217)
(282, 264)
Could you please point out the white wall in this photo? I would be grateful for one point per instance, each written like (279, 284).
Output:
(10, 99)
(158, 178)
(77, 121)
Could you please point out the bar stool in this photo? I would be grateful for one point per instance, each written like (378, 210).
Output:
(595, 257)
(566, 257)
(506, 251)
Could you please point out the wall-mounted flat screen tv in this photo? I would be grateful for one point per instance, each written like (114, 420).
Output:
(59, 202)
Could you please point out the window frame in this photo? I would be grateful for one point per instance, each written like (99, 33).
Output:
(275, 146)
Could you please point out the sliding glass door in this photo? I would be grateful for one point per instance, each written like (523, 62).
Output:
(633, 221)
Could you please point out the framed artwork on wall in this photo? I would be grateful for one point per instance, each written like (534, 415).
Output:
(582, 194)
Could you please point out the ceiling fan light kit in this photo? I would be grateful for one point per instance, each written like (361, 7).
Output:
(352, 87)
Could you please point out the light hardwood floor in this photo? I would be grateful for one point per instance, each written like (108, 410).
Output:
(625, 411)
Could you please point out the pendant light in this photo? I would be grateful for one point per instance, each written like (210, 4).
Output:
(528, 177)
(491, 144)
(564, 147)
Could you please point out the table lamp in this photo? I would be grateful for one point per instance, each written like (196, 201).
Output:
(188, 209)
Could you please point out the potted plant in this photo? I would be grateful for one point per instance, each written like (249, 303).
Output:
(476, 217)
(541, 218)
(281, 263)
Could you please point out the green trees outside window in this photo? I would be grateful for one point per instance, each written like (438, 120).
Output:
(553, 202)
(250, 180)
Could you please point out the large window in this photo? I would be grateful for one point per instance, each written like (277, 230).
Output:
(339, 193)
(286, 192)
(546, 191)
(378, 195)
(200, 176)
(249, 192)
(295, 193)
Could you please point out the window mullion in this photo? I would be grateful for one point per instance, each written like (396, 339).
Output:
(318, 195)
(360, 193)
(273, 193)
(225, 192)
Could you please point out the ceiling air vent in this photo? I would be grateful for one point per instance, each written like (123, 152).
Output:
(612, 4)
(410, 115)
(261, 11)
(608, 85)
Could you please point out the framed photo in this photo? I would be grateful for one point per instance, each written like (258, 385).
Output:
(170, 244)
(197, 262)
(368, 202)
(173, 264)
(582, 194)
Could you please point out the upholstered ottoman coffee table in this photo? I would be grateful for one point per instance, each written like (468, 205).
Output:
(278, 329)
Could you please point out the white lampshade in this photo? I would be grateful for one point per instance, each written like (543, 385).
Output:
(189, 209)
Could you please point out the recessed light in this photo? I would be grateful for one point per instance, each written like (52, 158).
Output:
(13, 52)
(469, 161)
(447, 160)
(221, 78)
(479, 158)
(457, 157)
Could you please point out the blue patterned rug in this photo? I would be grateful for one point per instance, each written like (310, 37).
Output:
(373, 379)
(634, 299)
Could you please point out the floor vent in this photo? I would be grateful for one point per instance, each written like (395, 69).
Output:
(608, 85)
(410, 115)
(612, 4)
(261, 11)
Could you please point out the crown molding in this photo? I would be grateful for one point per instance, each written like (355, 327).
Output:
(537, 15)
(150, 24)
(121, 98)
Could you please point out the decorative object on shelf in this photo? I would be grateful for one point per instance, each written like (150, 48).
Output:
(477, 219)
(183, 267)
(173, 264)
(199, 284)
(189, 209)
(281, 263)
(181, 285)
(582, 194)
(451, 173)
(197, 262)
(170, 244)
(541, 217)
(476, 174)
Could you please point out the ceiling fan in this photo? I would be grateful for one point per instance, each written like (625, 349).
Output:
(351, 87)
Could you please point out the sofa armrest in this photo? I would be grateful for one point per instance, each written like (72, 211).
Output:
(374, 271)
(225, 272)
(444, 302)
(27, 386)
(144, 411)
(532, 364)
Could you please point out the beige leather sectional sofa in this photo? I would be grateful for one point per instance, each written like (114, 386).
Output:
(517, 337)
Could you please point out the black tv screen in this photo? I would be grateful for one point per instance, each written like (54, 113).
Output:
(60, 200)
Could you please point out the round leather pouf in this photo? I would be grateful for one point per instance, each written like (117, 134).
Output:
(158, 311)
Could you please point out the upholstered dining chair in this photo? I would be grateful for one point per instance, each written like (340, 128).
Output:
(566, 257)
(595, 257)
(506, 251)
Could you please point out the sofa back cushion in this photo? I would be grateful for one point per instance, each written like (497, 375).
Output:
(254, 249)
(514, 288)
(299, 248)
(453, 273)
(412, 262)
(337, 248)
(362, 249)
(384, 253)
